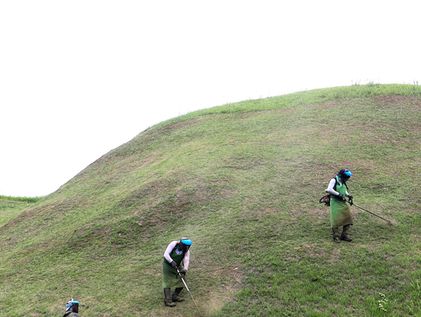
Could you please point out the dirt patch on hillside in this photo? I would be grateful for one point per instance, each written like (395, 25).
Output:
(311, 250)
(242, 163)
(335, 256)
(393, 100)
(226, 291)
(326, 105)
(182, 124)
(209, 300)
(179, 196)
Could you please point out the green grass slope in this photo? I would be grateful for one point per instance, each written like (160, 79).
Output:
(243, 181)
(11, 207)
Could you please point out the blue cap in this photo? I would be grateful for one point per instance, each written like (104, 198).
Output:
(71, 303)
(186, 241)
(345, 172)
(348, 173)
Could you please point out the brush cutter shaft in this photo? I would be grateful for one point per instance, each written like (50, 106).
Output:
(370, 212)
(187, 288)
(185, 285)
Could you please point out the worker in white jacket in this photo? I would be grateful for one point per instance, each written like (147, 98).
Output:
(176, 259)
(340, 213)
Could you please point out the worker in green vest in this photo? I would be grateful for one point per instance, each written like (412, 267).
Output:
(72, 308)
(340, 213)
(176, 260)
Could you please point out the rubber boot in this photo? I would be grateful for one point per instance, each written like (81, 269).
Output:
(176, 294)
(167, 298)
(335, 235)
(344, 235)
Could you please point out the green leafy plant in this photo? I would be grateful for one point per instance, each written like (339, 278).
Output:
(383, 302)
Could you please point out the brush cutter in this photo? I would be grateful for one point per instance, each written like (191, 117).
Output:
(370, 212)
(187, 288)
(326, 200)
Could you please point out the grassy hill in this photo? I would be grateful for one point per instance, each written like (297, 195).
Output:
(243, 181)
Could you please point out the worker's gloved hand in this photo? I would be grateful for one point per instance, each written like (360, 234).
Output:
(174, 265)
(342, 197)
(350, 199)
(183, 271)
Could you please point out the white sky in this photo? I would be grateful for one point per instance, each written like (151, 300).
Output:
(79, 78)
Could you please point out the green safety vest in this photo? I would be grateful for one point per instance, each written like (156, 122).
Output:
(177, 254)
(340, 213)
